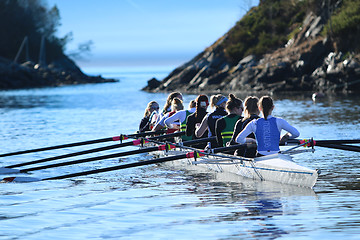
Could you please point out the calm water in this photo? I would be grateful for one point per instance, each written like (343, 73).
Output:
(155, 202)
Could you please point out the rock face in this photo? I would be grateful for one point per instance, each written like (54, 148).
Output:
(308, 62)
(29, 75)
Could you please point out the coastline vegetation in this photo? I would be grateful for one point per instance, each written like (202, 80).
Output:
(344, 26)
(271, 24)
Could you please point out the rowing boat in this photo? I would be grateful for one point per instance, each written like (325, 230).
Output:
(276, 167)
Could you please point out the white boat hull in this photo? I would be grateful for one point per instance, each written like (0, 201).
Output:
(276, 168)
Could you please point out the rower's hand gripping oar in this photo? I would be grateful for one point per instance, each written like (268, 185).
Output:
(101, 140)
(193, 154)
(125, 144)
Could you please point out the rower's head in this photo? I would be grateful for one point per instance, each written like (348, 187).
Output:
(266, 105)
(152, 106)
(192, 104)
(251, 106)
(202, 101)
(177, 105)
(218, 100)
(170, 98)
(234, 105)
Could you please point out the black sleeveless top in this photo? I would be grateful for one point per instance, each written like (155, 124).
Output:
(213, 117)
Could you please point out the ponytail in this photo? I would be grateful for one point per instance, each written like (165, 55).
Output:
(202, 102)
(233, 102)
(251, 106)
(169, 100)
(177, 104)
(266, 103)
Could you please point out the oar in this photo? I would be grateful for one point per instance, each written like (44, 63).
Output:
(341, 147)
(336, 144)
(109, 139)
(125, 144)
(166, 147)
(193, 154)
(345, 141)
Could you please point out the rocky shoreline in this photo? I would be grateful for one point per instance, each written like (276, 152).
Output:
(30, 75)
(308, 63)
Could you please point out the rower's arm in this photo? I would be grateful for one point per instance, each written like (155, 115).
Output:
(250, 128)
(203, 126)
(168, 121)
(283, 124)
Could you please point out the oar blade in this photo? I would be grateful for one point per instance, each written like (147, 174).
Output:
(8, 170)
(20, 180)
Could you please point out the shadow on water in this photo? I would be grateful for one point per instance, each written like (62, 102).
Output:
(247, 199)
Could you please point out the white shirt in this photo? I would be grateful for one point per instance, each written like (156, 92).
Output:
(180, 115)
(251, 128)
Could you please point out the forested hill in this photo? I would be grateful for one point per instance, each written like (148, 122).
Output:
(27, 29)
(278, 46)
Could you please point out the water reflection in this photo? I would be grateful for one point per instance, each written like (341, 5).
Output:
(27, 101)
(330, 110)
(253, 200)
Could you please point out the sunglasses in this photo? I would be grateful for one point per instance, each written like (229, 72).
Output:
(155, 108)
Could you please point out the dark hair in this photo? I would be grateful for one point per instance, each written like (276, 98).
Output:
(233, 102)
(199, 99)
(266, 103)
(251, 106)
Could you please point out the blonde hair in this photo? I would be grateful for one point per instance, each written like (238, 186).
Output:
(192, 104)
(177, 104)
(147, 112)
(251, 106)
(169, 100)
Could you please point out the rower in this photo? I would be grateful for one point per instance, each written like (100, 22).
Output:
(251, 112)
(181, 116)
(208, 123)
(167, 106)
(149, 118)
(194, 119)
(224, 126)
(267, 130)
(176, 105)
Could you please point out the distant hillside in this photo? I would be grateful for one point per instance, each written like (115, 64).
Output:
(280, 45)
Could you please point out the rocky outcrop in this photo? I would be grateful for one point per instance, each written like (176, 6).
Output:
(29, 75)
(308, 62)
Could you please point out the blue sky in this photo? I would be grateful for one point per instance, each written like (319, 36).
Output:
(146, 32)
